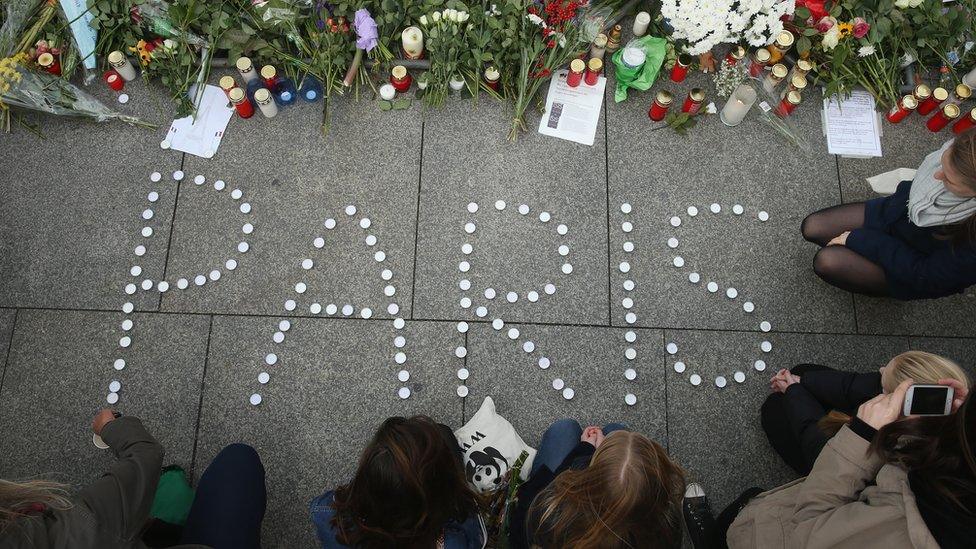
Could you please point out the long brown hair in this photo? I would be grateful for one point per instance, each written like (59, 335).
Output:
(408, 485)
(962, 154)
(919, 366)
(17, 499)
(939, 451)
(628, 497)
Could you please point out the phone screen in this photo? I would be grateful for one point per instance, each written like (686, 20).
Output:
(929, 400)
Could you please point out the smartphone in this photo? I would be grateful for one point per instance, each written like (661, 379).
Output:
(928, 400)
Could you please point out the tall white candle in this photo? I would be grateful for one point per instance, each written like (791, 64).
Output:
(413, 42)
(641, 22)
(265, 102)
(738, 105)
(246, 68)
(121, 64)
(970, 78)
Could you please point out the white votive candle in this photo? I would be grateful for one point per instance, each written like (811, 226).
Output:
(266, 103)
(387, 92)
(121, 64)
(413, 42)
(641, 22)
(738, 105)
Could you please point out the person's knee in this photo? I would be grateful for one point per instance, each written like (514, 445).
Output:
(242, 456)
(808, 228)
(565, 424)
(771, 408)
(827, 263)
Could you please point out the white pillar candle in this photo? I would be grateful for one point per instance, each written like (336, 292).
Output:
(265, 102)
(121, 64)
(738, 105)
(641, 22)
(246, 68)
(387, 92)
(970, 78)
(413, 42)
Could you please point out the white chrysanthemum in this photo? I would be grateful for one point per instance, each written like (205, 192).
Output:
(865, 51)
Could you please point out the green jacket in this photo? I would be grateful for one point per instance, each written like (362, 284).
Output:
(108, 513)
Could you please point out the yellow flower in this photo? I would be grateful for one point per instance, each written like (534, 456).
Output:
(846, 29)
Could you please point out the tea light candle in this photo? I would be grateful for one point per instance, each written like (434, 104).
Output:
(903, 108)
(387, 92)
(246, 68)
(641, 21)
(412, 39)
(121, 64)
(948, 113)
(113, 80)
(491, 77)
(738, 105)
(49, 63)
(266, 103)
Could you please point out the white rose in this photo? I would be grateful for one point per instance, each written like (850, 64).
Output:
(915, 3)
(436, 16)
(450, 15)
(831, 38)
(464, 16)
(423, 20)
(902, 3)
(169, 44)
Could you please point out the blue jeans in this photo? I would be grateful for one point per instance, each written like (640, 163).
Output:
(560, 439)
(230, 501)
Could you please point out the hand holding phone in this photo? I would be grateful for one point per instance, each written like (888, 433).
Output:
(928, 400)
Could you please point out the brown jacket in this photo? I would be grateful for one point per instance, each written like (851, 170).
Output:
(836, 507)
(109, 512)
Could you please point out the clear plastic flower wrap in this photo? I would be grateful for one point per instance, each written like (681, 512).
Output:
(768, 105)
(155, 14)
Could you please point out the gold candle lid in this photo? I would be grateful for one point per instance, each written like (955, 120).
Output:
(798, 81)
(227, 82)
(615, 31)
(963, 91)
(664, 98)
(951, 111)
(697, 95)
(577, 65)
(940, 94)
(738, 52)
(236, 95)
(595, 64)
(804, 65)
(268, 72)
(491, 73)
(600, 40)
(762, 55)
(399, 72)
(909, 102)
(244, 64)
(972, 114)
(45, 60)
(922, 91)
(684, 60)
(785, 39)
(262, 95)
(793, 97)
(780, 70)
(116, 57)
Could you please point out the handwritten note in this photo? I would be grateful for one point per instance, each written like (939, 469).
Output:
(852, 125)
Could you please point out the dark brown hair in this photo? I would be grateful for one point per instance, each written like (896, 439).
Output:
(939, 451)
(962, 154)
(629, 496)
(408, 485)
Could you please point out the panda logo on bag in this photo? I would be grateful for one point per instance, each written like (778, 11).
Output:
(485, 469)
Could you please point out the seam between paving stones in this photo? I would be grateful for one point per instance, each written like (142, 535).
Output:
(606, 165)
(416, 221)
(479, 321)
(203, 383)
(172, 227)
(664, 373)
(10, 345)
(840, 190)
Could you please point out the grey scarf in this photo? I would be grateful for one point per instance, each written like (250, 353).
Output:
(929, 203)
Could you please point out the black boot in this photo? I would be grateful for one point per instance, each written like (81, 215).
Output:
(698, 517)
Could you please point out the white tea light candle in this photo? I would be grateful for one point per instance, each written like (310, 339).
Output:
(387, 92)
(738, 105)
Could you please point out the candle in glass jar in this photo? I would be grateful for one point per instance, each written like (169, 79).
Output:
(775, 76)
(961, 93)
(48, 62)
(736, 54)
(660, 106)
(784, 41)
(798, 83)
(400, 78)
(788, 103)
(641, 21)
(491, 77)
(412, 39)
(760, 58)
(593, 69)
(680, 69)
(121, 64)
(599, 46)
(246, 69)
(266, 103)
(948, 113)
(241, 103)
(694, 101)
(965, 123)
(227, 83)
(738, 105)
(113, 80)
(575, 76)
(613, 41)
(970, 78)
(922, 92)
(903, 108)
(269, 75)
(933, 101)
(802, 67)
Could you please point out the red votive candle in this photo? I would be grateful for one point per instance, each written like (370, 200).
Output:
(680, 69)
(694, 101)
(576, 69)
(241, 103)
(49, 63)
(965, 123)
(735, 55)
(948, 113)
(789, 102)
(227, 83)
(931, 102)
(760, 58)
(903, 108)
(270, 76)
(400, 78)
(662, 101)
(114, 80)
(593, 69)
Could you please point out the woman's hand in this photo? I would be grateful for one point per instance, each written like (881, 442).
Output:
(884, 409)
(840, 240)
(959, 392)
(782, 381)
(101, 419)
(593, 435)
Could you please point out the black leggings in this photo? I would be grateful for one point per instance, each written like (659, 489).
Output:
(839, 265)
(780, 432)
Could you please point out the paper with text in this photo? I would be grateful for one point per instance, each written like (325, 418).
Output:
(572, 113)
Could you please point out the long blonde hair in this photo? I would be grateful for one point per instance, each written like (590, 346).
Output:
(919, 366)
(629, 496)
(17, 498)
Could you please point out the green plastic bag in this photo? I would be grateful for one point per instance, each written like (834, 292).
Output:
(641, 78)
(173, 496)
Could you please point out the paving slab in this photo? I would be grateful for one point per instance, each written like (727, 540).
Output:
(961, 350)
(467, 159)
(715, 433)
(70, 205)
(7, 319)
(591, 361)
(294, 179)
(333, 385)
(660, 174)
(57, 378)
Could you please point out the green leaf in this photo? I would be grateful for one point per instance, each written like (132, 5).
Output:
(385, 105)
(809, 31)
(802, 13)
(401, 104)
(803, 45)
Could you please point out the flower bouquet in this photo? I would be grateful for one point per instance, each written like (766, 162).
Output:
(284, 15)
(703, 25)
(40, 91)
(445, 33)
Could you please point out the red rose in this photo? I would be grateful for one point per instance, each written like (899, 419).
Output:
(817, 8)
(861, 27)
